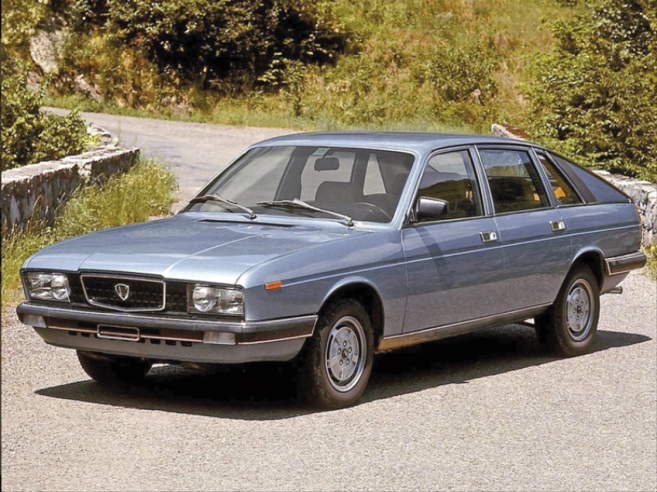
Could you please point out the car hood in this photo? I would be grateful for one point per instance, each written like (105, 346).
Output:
(183, 248)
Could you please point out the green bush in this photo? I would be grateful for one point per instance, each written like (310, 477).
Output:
(594, 96)
(28, 135)
(216, 39)
(19, 22)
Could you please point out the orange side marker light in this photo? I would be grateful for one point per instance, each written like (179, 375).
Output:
(274, 285)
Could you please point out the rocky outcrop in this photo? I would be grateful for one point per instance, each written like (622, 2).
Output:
(44, 49)
(508, 131)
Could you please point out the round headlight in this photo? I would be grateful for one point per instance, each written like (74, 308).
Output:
(205, 298)
(59, 287)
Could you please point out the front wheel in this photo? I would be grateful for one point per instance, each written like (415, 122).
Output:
(570, 326)
(337, 360)
(112, 369)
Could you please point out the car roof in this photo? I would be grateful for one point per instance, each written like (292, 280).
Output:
(420, 142)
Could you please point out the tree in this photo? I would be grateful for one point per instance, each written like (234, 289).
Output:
(594, 97)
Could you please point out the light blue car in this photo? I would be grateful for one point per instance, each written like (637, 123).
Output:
(331, 247)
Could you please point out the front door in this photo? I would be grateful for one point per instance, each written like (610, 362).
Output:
(455, 264)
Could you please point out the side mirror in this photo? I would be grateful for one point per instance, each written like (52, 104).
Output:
(427, 209)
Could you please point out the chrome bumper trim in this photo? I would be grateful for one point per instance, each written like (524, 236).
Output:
(626, 263)
(445, 331)
(246, 332)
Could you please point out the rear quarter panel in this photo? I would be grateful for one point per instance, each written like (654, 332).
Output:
(611, 228)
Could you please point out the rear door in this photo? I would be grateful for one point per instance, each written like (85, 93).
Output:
(532, 232)
(455, 265)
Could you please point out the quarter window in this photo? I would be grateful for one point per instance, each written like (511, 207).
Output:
(564, 193)
(451, 177)
(514, 181)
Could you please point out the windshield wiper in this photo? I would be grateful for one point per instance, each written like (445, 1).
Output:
(296, 203)
(225, 201)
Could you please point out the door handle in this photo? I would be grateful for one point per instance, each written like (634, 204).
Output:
(557, 225)
(488, 236)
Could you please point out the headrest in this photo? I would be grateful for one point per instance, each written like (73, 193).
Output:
(398, 183)
(336, 192)
(432, 178)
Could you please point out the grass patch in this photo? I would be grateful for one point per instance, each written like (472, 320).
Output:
(239, 113)
(144, 191)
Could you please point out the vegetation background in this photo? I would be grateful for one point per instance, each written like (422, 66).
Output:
(579, 75)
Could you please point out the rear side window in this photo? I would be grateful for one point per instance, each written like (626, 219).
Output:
(564, 193)
(451, 177)
(514, 181)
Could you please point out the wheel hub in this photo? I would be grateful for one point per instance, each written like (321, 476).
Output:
(579, 317)
(345, 353)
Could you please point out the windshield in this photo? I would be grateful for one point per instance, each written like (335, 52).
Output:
(363, 184)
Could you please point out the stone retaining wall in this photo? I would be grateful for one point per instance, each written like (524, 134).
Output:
(37, 190)
(642, 193)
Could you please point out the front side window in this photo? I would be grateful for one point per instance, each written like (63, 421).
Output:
(364, 184)
(450, 177)
(514, 181)
(563, 192)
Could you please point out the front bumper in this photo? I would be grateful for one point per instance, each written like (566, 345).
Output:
(196, 340)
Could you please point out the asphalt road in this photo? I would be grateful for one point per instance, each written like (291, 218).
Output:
(487, 411)
(195, 152)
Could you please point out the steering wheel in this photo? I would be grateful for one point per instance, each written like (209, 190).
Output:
(375, 209)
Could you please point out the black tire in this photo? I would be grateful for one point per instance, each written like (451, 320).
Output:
(570, 326)
(343, 329)
(110, 369)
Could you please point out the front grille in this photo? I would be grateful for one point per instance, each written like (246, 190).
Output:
(140, 294)
(176, 297)
(77, 292)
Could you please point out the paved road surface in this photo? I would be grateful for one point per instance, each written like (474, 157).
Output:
(195, 152)
(487, 411)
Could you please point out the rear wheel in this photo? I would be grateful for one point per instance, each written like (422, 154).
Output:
(570, 326)
(337, 360)
(112, 369)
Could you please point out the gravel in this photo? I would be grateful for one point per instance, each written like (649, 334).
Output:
(487, 411)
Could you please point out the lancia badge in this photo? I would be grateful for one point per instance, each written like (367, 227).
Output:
(122, 290)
